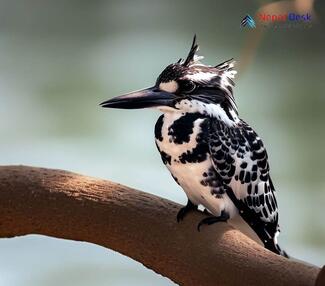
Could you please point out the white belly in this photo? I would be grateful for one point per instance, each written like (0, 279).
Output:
(189, 177)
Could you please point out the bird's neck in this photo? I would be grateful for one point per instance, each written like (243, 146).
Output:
(225, 114)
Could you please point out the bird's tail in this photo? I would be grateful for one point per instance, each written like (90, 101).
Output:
(273, 246)
(281, 251)
(263, 230)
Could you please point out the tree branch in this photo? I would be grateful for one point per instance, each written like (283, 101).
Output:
(140, 225)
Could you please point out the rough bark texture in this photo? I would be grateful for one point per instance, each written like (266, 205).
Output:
(142, 226)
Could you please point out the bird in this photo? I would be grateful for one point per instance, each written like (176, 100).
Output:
(213, 155)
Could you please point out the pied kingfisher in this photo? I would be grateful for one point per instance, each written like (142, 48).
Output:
(216, 157)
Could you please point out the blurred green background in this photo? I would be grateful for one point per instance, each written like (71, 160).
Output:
(60, 59)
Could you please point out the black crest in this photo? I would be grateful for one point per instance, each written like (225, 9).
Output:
(191, 54)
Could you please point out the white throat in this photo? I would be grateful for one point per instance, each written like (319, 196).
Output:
(210, 109)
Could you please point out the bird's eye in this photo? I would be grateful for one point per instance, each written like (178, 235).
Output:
(187, 86)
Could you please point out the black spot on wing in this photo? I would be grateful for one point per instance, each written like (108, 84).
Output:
(232, 170)
(241, 175)
(262, 199)
(268, 204)
(243, 165)
(265, 213)
(271, 184)
(249, 189)
(214, 181)
(247, 177)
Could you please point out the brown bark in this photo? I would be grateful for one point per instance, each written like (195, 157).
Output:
(140, 225)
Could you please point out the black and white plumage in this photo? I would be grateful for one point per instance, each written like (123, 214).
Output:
(216, 157)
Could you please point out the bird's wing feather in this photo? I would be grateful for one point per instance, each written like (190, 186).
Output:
(240, 159)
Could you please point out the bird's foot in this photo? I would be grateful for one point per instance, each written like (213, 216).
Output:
(224, 216)
(184, 210)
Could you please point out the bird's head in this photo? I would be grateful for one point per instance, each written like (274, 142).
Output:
(186, 86)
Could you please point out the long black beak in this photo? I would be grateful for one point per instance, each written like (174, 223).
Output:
(144, 98)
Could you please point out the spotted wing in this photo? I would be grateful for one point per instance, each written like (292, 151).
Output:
(241, 161)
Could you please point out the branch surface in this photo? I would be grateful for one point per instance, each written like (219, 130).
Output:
(140, 225)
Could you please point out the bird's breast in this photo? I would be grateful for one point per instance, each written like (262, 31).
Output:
(182, 140)
(182, 136)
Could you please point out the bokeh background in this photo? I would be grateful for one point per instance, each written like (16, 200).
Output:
(60, 59)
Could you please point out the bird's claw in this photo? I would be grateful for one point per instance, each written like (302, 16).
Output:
(184, 210)
(181, 214)
(213, 219)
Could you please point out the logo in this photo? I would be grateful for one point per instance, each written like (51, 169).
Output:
(285, 20)
(248, 21)
(288, 17)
